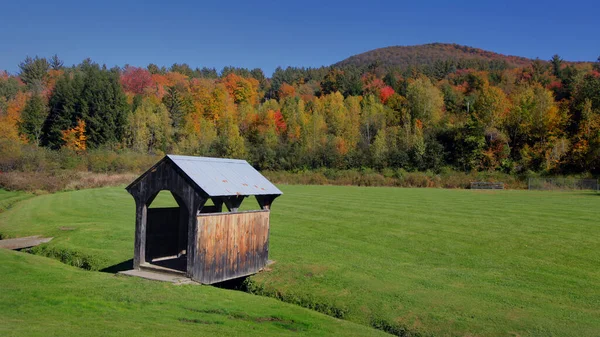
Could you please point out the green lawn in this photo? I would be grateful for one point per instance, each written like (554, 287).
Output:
(8, 199)
(43, 297)
(430, 261)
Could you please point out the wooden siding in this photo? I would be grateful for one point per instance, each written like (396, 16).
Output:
(231, 245)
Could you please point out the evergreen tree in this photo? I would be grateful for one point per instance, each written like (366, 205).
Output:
(33, 72)
(93, 95)
(174, 104)
(556, 66)
(56, 63)
(32, 119)
(64, 106)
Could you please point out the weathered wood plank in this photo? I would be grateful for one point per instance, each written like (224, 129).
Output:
(231, 245)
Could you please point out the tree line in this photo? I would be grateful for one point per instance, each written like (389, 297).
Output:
(466, 115)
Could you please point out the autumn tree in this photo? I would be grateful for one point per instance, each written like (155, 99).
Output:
(286, 90)
(491, 106)
(242, 90)
(150, 128)
(74, 138)
(533, 124)
(135, 80)
(11, 117)
(425, 101)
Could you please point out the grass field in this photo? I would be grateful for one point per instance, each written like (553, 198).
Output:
(43, 297)
(414, 261)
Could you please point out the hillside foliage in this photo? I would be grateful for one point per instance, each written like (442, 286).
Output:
(484, 113)
(432, 53)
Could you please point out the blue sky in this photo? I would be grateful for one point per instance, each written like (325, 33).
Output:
(268, 34)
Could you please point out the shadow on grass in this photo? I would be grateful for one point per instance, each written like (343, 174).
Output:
(125, 265)
(588, 194)
(235, 284)
(239, 284)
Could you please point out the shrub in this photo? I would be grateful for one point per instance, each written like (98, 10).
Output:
(67, 256)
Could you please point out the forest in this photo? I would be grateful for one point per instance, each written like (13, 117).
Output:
(459, 114)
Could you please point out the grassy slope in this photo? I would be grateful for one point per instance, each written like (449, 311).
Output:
(449, 262)
(9, 198)
(43, 297)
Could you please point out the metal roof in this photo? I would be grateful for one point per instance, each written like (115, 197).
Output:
(224, 177)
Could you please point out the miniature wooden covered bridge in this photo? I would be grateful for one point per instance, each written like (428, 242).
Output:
(203, 242)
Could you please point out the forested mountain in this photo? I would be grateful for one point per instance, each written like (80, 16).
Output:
(496, 113)
(430, 54)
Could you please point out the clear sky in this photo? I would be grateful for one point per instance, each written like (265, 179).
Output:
(268, 34)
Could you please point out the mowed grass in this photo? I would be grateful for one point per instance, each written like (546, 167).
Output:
(418, 261)
(43, 297)
(9, 198)
(447, 262)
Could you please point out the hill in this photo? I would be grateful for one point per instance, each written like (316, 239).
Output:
(428, 54)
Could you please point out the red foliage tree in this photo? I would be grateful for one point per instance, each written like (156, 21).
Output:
(135, 80)
(385, 93)
(280, 125)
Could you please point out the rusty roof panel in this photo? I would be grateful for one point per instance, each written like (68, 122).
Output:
(224, 177)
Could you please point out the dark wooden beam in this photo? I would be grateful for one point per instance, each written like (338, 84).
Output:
(265, 201)
(233, 202)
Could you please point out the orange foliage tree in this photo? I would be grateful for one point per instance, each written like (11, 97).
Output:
(9, 120)
(286, 90)
(75, 138)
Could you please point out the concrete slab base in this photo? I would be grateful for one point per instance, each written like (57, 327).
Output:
(25, 242)
(162, 277)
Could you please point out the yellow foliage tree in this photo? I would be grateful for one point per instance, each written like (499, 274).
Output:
(75, 138)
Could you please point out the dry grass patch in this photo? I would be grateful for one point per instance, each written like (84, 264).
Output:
(41, 182)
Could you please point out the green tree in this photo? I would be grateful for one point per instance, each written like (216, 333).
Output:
(56, 63)
(33, 72)
(32, 119)
(372, 119)
(379, 149)
(174, 103)
(556, 66)
(104, 105)
(64, 105)
(93, 95)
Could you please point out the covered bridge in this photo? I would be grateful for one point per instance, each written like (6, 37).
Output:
(202, 241)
